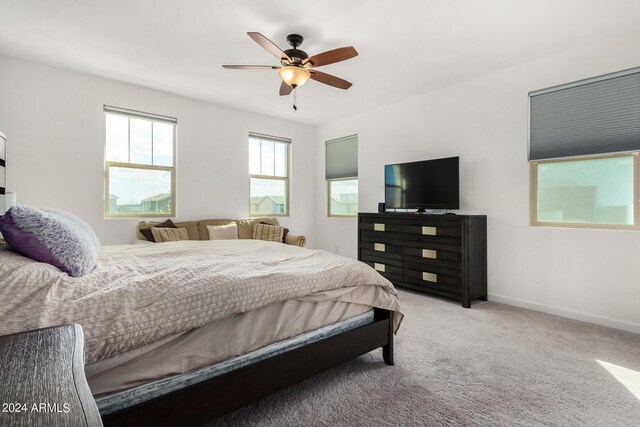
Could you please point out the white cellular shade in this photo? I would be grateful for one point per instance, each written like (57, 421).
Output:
(595, 116)
(342, 158)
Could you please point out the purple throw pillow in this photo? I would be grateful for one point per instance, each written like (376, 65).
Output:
(54, 237)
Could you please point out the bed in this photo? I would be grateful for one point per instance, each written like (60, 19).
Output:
(192, 330)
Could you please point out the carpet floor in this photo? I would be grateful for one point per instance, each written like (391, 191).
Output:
(492, 365)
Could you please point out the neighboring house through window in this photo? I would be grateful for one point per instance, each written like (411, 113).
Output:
(342, 176)
(268, 175)
(139, 164)
(584, 146)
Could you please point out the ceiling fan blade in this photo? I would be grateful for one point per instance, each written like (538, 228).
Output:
(269, 46)
(285, 89)
(331, 56)
(251, 67)
(330, 80)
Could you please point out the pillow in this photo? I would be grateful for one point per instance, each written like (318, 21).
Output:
(54, 237)
(284, 232)
(223, 232)
(247, 225)
(161, 234)
(270, 233)
(148, 234)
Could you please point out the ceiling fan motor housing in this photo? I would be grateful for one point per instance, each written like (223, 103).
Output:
(296, 54)
(296, 40)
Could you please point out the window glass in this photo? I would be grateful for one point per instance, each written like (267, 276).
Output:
(343, 197)
(136, 191)
(117, 128)
(254, 156)
(162, 144)
(586, 191)
(267, 158)
(280, 159)
(140, 141)
(268, 196)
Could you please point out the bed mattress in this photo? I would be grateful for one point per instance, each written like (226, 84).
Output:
(215, 342)
(119, 400)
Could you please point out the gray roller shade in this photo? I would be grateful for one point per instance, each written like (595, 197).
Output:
(140, 114)
(342, 158)
(594, 116)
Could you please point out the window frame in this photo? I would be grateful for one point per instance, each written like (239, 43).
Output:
(533, 193)
(287, 143)
(130, 165)
(329, 181)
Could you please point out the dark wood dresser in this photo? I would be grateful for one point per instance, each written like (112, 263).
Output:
(444, 255)
(42, 380)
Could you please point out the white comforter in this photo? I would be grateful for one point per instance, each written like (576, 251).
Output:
(138, 294)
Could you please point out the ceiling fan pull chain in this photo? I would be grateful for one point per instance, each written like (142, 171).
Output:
(295, 107)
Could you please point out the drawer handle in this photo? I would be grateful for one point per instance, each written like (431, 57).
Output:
(428, 253)
(379, 267)
(378, 227)
(430, 231)
(379, 247)
(429, 277)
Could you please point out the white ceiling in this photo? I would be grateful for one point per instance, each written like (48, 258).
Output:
(407, 47)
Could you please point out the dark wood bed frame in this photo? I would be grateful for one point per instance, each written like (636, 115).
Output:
(218, 396)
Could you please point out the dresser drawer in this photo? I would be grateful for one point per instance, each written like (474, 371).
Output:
(372, 256)
(449, 256)
(382, 250)
(381, 227)
(432, 228)
(426, 238)
(439, 288)
(381, 219)
(381, 237)
(432, 274)
(390, 272)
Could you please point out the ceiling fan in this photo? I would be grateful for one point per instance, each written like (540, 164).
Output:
(298, 67)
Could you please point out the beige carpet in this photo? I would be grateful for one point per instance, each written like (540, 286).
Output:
(491, 365)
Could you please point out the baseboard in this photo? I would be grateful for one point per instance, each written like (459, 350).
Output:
(571, 314)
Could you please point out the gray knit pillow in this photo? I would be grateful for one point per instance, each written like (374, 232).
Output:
(55, 237)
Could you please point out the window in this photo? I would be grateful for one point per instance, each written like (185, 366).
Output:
(268, 175)
(139, 164)
(584, 146)
(342, 176)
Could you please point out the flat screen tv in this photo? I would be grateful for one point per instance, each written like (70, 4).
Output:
(427, 184)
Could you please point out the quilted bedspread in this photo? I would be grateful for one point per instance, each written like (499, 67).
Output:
(138, 294)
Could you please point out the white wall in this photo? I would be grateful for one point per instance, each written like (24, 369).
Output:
(592, 275)
(54, 123)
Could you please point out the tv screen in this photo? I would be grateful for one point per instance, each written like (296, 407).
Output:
(428, 184)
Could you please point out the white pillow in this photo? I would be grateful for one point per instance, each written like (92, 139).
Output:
(223, 232)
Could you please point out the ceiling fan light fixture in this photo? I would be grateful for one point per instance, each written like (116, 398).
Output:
(294, 76)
